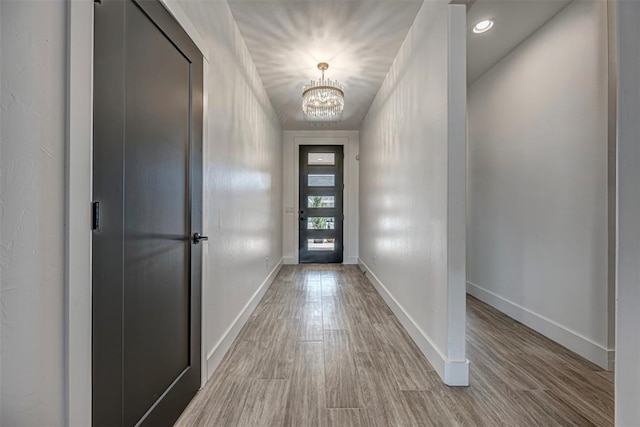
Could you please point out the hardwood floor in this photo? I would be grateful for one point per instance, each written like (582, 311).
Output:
(323, 349)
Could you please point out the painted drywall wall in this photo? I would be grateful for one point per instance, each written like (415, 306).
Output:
(291, 146)
(627, 381)
(537, 194)
(243, 170)
(412, 173)
(32, 156)
(242, 180)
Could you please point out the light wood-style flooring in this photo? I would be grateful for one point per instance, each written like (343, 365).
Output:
(323, 349)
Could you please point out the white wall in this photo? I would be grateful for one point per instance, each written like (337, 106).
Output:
(243, 197)
(32, 103)
(242, 180)
(412, 172)
(627, 381)
(537, 219)
(291, 152)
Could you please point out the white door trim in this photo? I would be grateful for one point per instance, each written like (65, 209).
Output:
(78, 193)
(78, 197)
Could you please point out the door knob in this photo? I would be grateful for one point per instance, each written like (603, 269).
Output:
(197, 237)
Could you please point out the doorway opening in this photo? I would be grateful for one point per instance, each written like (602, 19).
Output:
(541, 189)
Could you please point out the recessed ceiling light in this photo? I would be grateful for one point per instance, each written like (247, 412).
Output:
(483, 26)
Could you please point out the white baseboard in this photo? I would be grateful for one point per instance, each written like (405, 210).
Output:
(572, 340)
(215, 355)
(289, 260)
(452, 373)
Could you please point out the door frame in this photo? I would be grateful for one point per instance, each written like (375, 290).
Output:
(321, 140)
(339, 168)
(78, 197)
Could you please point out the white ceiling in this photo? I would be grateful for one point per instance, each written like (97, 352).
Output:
(359, 40)
(515, 21)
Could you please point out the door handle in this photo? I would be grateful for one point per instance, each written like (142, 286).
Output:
(197, 237)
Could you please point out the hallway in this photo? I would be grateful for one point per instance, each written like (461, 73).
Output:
(323, 348)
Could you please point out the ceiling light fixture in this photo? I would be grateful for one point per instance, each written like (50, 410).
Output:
(323, 100)
(483, 26)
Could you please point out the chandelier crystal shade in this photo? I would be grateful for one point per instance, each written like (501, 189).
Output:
(323, 100)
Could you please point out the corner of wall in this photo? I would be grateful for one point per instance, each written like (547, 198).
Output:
(452, 373)
(564, 336)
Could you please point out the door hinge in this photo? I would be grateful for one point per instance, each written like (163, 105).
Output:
(95, 216)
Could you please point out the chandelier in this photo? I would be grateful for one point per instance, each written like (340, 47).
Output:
(323, 100)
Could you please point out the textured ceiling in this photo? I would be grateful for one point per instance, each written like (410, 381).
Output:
(359, 40)
(515, 21)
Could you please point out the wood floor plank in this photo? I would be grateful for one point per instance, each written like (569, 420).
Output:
(330, 287)
(286, 274)
(470, 406)
(348, 417)
(380, 393)
(375, 307)
(259, 326)
(410, 368)
(572, 382)
(363, 337)
(241, 362)
(306, 402)
(333, 314)
(310, 328)
(543, 408)
(410, 375)
(225, 404)
(580, 392)
(311, 291)
(265, 404)
(609, 376)
(277, 358)
(508, 371)
(423, 408)
(322, 337)
(341, 376)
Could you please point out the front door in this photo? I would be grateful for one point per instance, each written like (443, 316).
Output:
(147, 188)
(320, 211)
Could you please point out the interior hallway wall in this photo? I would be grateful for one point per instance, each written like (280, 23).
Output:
(537, 192)
(412, 187)
(32, 196)
(292, 141)
(242, 180)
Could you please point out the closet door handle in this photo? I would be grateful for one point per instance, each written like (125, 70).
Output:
(197, 238)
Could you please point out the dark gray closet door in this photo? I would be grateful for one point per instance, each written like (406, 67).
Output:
(148, 181)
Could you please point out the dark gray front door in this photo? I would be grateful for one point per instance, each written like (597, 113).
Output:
(148, 181)
(320, 212)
